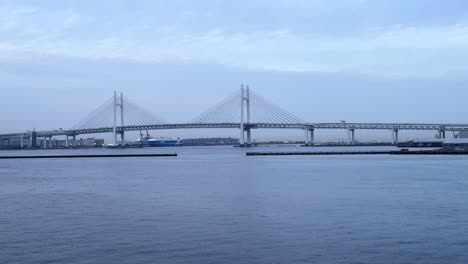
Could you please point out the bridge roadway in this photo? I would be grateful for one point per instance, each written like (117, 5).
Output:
(304, 126)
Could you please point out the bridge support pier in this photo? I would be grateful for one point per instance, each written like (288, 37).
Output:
(442, 134)
(122, 138)
(245, 139)
(395, 136)
(351, 136)
(21, 142)
(309, 136)
(242, 136)
(312, 137)
(66, 141)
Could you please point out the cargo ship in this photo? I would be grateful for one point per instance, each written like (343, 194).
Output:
(161, 142)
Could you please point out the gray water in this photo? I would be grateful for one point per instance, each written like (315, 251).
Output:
(215, 205)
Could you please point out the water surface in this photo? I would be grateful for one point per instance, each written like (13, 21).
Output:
(215, 205)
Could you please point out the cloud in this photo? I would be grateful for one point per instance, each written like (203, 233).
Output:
(397, 50)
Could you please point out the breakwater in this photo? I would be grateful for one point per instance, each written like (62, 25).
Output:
(318, 153)
(89, 156)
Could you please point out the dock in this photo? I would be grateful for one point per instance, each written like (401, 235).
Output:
(89, 156)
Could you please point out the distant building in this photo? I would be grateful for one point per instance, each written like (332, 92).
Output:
(210, 141)
(456, 144)
(92, 142)
(79, 143)
(463, 134)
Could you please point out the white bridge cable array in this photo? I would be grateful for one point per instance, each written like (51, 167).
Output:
(103, 116)
(265, 111)
(262, 111)
(227, 111)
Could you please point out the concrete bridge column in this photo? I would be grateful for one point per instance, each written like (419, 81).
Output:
(122, 137)
(249, 136)
(66, 141)
(312, 137)
(44, 143)
(74, 141)
(21, 142)
(309, 136)
(395, 136)
(242, 136)
(351, 136)
(442, 134)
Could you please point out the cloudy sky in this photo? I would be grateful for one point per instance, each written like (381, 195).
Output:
(323, 60)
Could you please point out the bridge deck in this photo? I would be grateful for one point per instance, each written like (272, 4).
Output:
(355, 126)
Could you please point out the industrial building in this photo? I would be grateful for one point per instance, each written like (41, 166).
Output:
(456, 144)
(463, 134)
(19, 143)
(210, 141)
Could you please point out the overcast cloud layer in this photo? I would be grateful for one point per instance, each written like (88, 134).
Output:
(199, 32)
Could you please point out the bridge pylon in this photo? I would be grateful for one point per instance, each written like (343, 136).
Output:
(245, 117)
(118, 105)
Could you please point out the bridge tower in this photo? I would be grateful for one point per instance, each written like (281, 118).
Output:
(245, 117)
(118, 103)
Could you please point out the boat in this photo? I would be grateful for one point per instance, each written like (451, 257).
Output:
(161, 142)
(149, 141)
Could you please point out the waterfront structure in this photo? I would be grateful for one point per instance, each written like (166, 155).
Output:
(455, 144)
(244, 110)
(210, 141)
(463, 134)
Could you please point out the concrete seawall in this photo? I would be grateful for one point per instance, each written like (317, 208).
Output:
(89, 156)
(318, 153)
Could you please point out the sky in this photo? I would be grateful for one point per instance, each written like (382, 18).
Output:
(322, 60)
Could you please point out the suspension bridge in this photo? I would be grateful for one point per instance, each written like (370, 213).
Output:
(244, 110)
